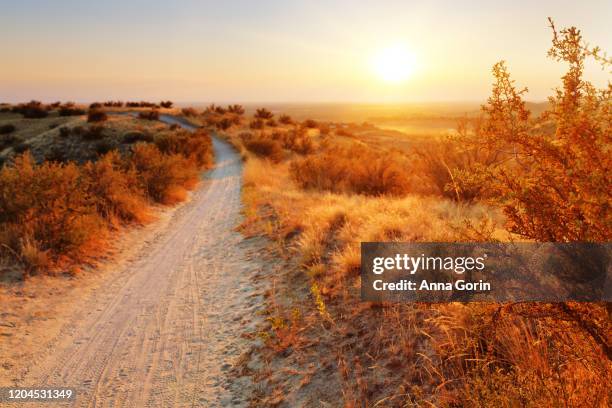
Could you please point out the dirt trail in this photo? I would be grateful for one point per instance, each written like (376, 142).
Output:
(167, 330)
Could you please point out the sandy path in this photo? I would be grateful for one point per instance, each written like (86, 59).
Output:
(166, 332)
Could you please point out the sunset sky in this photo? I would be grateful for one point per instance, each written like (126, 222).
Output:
(284, 51)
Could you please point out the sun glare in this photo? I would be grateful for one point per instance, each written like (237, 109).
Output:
(394, 64)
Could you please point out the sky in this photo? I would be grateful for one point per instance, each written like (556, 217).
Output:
(284, 51)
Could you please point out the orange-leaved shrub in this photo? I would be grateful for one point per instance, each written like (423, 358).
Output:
(164, 177)
(355, 169)
(56, 214)
(263, 114)
(296, 140)
(47, 210)
(96, 115)
(441, 162)
(237, 109)
(189, 112)
(33, 109)
(556, 187)
(196, 146)
(266, 148)
(149, 115)
(115, 190)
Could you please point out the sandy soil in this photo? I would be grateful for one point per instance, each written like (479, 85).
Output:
(163, 326)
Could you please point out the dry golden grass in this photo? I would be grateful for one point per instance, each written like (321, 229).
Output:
(445, 355)
(331, 226)
(410, 354)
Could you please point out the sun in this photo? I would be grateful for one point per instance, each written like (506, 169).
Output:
(394, 64)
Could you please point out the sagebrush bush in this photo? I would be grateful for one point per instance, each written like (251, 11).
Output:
(356, 169)
(212, 108)
(95, 132)
(56, 154)
(310, 124)
(115, 190)
(113, 104)
(57, 213)
(149, 115)
(8, 140)
(237, 109)
(104, 146)
(263, 114)
(6, 129)
(136, 136)
(266, 148)
(161, 176)
(556, 188)
(189, 112)
(285, 119)
(69, 109)
(440, 162)
(95, 115)
(143, 104)
(32, 110)
(195, 146)
(21, 147)
(297, 141)
(46, 206)
(236, 119)
(224, 124)
(64, 132)
(257, 124)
